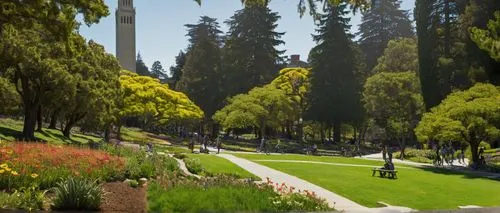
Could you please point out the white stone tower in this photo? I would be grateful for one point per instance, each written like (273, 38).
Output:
(125, 34)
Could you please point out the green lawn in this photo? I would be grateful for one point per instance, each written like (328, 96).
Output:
(418, 188)
(218, 165)
(327, 159)
(11, 129)
(137, 135)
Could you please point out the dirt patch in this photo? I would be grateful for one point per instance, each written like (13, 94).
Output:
(120, 197)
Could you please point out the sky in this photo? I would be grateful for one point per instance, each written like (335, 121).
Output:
(160, 31)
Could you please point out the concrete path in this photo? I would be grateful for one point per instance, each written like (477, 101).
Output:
(338, 202)
(183, 167)
(378, 156)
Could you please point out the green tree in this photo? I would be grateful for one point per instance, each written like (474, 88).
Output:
(141, 67)
(469, 116)
(335, 89)
(176, 71)
(489, 39)
(395, 103)
(383, 22)
(201, 76)
(146, 97)
(33, 63)
(401, 55)
(9, 97)
(251, 56)
(56, 16)
(97, 90)
(261, 107)
(157, 71)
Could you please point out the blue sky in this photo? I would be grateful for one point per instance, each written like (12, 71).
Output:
(160, 30)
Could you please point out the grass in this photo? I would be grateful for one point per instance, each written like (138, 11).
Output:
(137, 135)
(231, 198)
(214, 165)
(418, 188)
(326, 159)
(11, 129)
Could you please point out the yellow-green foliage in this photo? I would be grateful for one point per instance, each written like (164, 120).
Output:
(295, 83)
(489, 40)
(143, 95)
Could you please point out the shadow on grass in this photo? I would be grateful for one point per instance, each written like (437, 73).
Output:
(7, 132)
(465, 173)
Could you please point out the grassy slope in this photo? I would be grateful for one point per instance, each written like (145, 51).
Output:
(328, 159)
(416, 188)
(10, 129)
(218, 165)
(137, 135)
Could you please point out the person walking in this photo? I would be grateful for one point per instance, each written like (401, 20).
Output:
(219, 144)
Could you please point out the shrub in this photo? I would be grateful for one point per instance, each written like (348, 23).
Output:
(77, 194)
(52, 163)
(179, 155)
(418, 155)
(133, 183)
(193, 165)
(9, 201)
(28, 199)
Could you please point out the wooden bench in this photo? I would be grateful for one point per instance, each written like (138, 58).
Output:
(392, 174)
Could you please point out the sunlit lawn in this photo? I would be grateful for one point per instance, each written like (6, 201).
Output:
(10, 129)
(418, 188)
(137, 135)
(217, 165)
(327, 159)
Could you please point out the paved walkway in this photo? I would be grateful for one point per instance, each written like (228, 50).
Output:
(338, 202)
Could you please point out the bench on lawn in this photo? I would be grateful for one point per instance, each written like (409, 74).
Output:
(391, 174)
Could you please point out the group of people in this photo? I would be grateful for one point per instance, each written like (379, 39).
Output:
(205, 141)
(446, 154)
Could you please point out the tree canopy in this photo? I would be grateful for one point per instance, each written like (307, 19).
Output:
(489, 39)
(395, 103)
(469, 116)
(400, 55)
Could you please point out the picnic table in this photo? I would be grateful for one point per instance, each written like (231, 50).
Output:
(391, 174)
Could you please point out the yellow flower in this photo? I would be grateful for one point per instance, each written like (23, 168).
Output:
(4, 165)
(2, 171)
(34, 175)
(7, 169)
(14, 173)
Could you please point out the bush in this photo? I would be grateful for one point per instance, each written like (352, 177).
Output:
(193, 165)
(179, 155)
(418, 155)
(28, 199)
(77, 194)
(133, 184)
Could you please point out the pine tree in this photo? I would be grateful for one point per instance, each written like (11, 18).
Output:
(176, 71)
(141, 67)
(157, 71)
(383, 22)
(250, 51)
(335, 89)
(201, 76)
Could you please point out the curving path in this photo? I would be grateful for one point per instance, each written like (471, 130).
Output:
(338, 202)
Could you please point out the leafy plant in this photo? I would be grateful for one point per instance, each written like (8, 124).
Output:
(193, 165)
(133, 183)
(77, 194)
(180, 155)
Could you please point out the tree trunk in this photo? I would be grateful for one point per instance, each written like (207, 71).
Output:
(474, 149)
(39, 118)
(29, 122)
(322, 133)
(53, 119)
(336, 132)
(403, 146)
(107, 133)
(262, 130)
(68, 127)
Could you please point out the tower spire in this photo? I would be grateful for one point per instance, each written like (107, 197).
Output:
(125, 34)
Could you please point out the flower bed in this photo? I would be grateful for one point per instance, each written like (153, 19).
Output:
(27, 164)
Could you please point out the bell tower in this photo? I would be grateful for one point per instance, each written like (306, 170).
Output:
(125, 34)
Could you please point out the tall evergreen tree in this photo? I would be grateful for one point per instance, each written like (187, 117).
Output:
(335, 89)
(383, 22)
(141, 67)
(250, 50)
(157, 71)
(176, 71)
(201, 77)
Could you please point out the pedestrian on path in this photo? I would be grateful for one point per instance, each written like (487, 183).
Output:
(219, 144)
